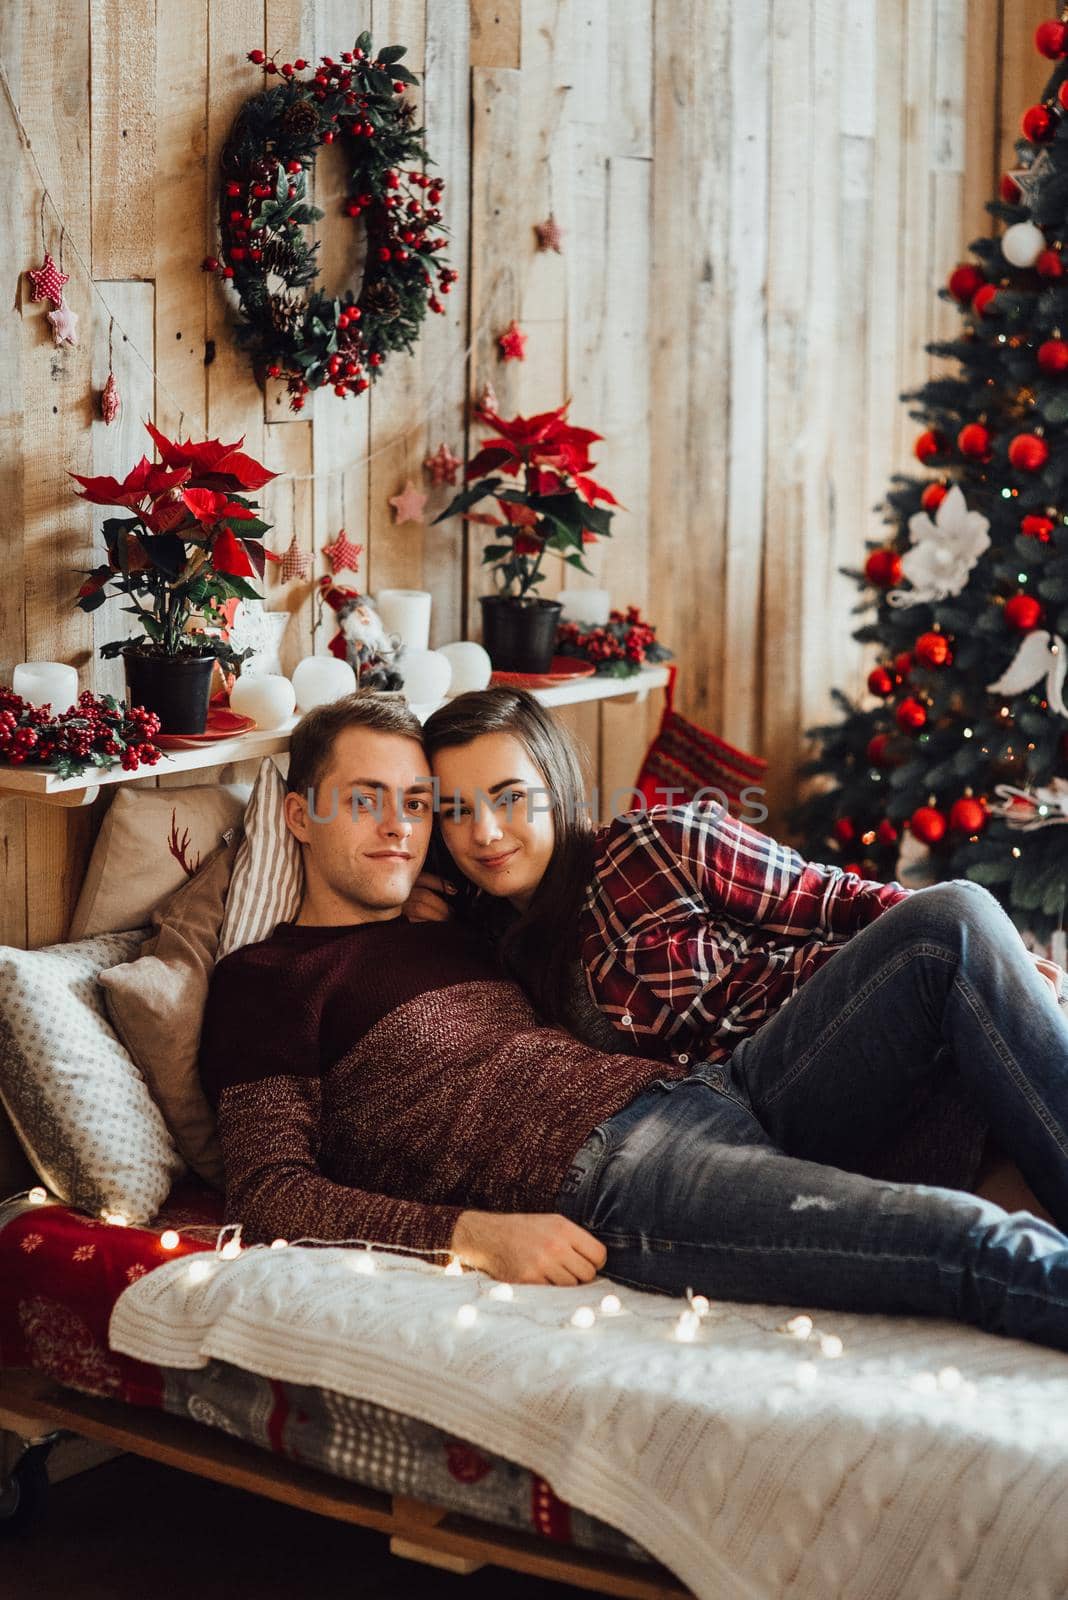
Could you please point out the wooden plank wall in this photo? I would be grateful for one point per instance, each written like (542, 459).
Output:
(759, 201)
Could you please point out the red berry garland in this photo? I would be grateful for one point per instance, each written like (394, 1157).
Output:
(619, 649)
(311, 340)
(98, 732)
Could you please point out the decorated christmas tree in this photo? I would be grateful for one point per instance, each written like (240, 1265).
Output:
(962, 739)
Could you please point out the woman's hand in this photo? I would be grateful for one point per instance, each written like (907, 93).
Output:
(1052, 971)
(427, 901)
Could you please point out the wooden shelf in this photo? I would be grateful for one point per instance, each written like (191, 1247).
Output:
(44, 784)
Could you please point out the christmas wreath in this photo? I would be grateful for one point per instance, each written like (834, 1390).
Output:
(307, 338)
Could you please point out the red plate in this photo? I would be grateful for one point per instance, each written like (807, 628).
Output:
(222, 723)
(562, 669)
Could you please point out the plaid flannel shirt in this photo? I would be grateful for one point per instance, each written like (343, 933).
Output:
(697, 927)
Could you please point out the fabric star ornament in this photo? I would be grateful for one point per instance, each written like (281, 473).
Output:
(943, 552)
(110, 400)
(512, 343)
(408, 504)
(64, 325)
(48, 281)
(442, 465)
(296, 563)
(343, 553)
(550, 236)
(1029, 180)
(487, 402)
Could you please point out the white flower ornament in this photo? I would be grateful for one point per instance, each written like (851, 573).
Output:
(943, 551)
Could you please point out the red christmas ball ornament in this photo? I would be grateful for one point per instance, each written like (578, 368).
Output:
(1009, 189)
(903, 663)
(1036, 124)
(933, 495)
(1023, 612)
(886, 833)
(973, 441)
(1028, 452)
(845, 830)
(883, 567)
(964, 281)
(1049, 265)
(929, 445)
(967, 815)
(983, 301)
(932, 649)
(1050, 39)
(877, 749)
(1053, 355)
(880, 682)
(928, 824)
(1036, 527)
(910, 715)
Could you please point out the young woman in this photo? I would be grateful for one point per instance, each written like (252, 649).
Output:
(818, 1006)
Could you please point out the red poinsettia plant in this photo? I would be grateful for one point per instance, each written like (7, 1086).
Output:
(536, 469)
(190, 540)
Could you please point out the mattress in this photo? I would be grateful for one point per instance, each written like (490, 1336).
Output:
(62, 1271)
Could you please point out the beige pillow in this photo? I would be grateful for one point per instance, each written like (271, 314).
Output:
(156, 1006)
(268, 881)
(150, 843)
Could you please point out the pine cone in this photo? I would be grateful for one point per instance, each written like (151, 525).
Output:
(279, 257)
(300, 120)
(285, 313)
(383, 301)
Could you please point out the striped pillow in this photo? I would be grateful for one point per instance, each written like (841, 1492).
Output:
(268, 876)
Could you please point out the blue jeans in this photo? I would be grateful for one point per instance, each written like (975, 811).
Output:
(732, 1182)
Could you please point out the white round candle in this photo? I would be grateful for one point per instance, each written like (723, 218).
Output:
(585, 605)
(46, 683)
(471, 666)
(319, 679)
(265, 697)
(426, 675)
(407, 612)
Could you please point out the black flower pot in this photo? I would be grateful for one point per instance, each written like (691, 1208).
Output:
(176, 688)
(519, 634)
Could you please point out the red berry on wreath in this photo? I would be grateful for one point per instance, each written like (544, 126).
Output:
(973, 441)
(270, 67)
(964, 281)
(237, 252)
(328, 136)
(931, 443)
(984, 301)
(1053, 355)
(300, 63)
(1028, 452)
(1035, 527)
(1050, 39)
(274, 370)
(1049, 264)
(385, 253)
(928, 824)
(233, 190)
(435, 305)
(880, 681)
(932, 650)
(933, 495)
(968, 815)
(257, 56)
(883, 567)
(375, 359)
(1037, 124)
(209, 264)
(910, 715)
(1023, 612)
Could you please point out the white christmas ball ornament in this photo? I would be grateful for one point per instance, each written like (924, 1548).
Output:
(471, 666)
(266, 697)
(320, 679)
(1022, 244)
(426, 675)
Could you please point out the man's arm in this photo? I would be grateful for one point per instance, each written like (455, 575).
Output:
(542, 1247)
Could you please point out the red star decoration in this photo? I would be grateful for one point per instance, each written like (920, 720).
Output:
(512, 343)
(296, 563)
(343, 553)
(48, 281)
(550, 236)
(442, 465)
(408, 504)
(110, 400)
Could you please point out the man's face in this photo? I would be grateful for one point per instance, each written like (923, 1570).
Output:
(367, 829)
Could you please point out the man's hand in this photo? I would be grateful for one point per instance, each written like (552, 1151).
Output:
(427, 901)
(544, 1247)
(1052, 971)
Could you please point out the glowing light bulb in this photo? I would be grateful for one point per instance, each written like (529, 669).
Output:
(686, 1328)
(38, 1196)
(198, 1271)
(700, 1305)
(950, 1378)
(116, 1218)
(830, 1344)
(231, 1249)
(467, 1315)
(169, 1240)
(279, 1244)
(502, 1291)
(611, 1305)
(455, 1267)
(364, 1262)
(800, 1326)
(583, 1317)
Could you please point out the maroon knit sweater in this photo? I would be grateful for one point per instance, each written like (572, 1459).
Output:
(372, 1082)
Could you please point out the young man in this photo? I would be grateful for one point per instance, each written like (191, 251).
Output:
(375, 1079)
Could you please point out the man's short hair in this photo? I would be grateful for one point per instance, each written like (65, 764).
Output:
(312, 742)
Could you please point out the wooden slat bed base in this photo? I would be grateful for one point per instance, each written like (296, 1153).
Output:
(31, 1404)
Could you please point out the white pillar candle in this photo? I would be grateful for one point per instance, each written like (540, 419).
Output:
(46, 683)
(265, 697)
(585, 605)
(426, 675)
(407, 612)
(471, 666)
(319, 679)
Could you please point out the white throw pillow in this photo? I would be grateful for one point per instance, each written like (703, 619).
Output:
(77, 1102)
(151, 842)
(268, 877)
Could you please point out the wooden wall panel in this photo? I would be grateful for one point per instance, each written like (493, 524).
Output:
(759, 204)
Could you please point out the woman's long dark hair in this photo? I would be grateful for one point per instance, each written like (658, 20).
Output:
(536, 946)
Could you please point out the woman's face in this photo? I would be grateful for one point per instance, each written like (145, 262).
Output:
(495, 815)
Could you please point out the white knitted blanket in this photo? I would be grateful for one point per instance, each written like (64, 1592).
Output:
(926, 1460)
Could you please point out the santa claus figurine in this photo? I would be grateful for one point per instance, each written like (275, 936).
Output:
(361, 638)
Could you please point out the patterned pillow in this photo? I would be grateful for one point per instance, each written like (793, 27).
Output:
(268, 877)
(80, 1107)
